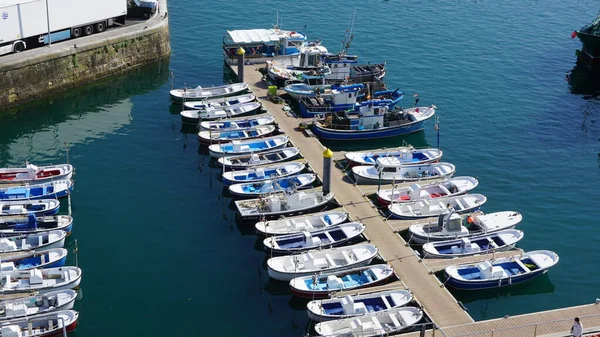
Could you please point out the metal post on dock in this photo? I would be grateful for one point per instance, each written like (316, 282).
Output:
(327, 155)
(240, 54)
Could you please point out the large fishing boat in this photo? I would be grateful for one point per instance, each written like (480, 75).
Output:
(590, 38)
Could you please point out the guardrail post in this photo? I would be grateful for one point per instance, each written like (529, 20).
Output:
(535, 330)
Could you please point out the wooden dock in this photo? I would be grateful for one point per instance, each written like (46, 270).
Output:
(415, 273)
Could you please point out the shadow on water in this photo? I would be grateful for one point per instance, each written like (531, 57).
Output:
(584, 82)
(415, 139)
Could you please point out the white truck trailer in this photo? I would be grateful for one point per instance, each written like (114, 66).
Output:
(30, 23)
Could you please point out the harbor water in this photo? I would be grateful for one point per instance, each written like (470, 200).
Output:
(158, 243)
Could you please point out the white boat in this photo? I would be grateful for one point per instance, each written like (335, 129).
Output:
(376, 324)
(406, 155)
(390, 169)
(357, 305)
(237, 123)
(216, 112)
(481, 244)
(39, 207)
(261, 45)
(198, 93)
(501, 272)
(282, 204)
(50, 324)
(255, 189)
(285, 268)
(39, 280)
(261, 158)
(37, 304)
(261, 173)
(249, 146)
(221, 101)
(36, 174)
(454, 226)
(317, 239)
(420, 209)
(301, 223)
(49, 258)
(210, 137)
(37, 241)
(324, 285)
(445, 188)
(299, 90)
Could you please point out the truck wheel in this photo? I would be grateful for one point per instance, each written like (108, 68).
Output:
(100, 27)
(88, 30)
(76, 32)
(19, 47)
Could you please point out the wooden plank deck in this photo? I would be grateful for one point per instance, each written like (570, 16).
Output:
(436, 300)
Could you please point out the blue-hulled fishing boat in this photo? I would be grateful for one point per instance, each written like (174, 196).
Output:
(372, 122)
(28, 242)
(212, 137)
(357, 305)
(501, 272)
(220, 101)
(50, 258)
(321, 238)
(40, 207)
(407, 155)
(272, 185)
(237, 123)
(247, 146)
(262, 158)
(481, 244)
(262, 173)
(31, 224)
(48, 190)
(322, 285)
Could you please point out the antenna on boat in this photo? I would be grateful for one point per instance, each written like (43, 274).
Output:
(349, 35)
(436, 127)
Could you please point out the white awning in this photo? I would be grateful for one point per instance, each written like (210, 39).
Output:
(253, 36)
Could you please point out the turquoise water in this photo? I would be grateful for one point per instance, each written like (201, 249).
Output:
(159, 248)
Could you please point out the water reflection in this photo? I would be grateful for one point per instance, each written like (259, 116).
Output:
(39, 130)
(584, 82)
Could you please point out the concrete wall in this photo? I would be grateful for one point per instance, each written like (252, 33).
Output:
(45, 70)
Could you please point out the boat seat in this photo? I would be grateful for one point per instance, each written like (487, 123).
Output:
(347, 257)
(330, 260)
(395, 320)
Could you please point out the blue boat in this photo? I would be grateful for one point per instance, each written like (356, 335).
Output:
(262, 173)
(31, 224)
(40, 207)
(49, 190)
(247, 146)
(237, 123)
(272, 185)
(373, 122)
(501, 272)
(51, 258)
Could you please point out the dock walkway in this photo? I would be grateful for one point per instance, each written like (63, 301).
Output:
(416, 274)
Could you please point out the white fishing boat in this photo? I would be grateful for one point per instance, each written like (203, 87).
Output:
(220, 101)
(249, 146)
(481, 244)
(285, 268)
(317, 239)
(50, 324)
(255, 189)
(445, 188)
(219, 112)
(375, 324)
(36, 174)
(262, 173)
(454, 226)
(37, 304)
(49, 258)
(301, 223)
(28, 242)
(261, 158)
(237, 123)
(420, 209)
(39, 280)
(282, 204)
(39, 207)
(198, 93)
(407, 155)
(210, 137)
(390, 169)
(357, 305)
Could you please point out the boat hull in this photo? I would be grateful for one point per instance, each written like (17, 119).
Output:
(288, 276)
(504, 282)
(344, 135)
(196, 120)
(326, 294)
(254, 218)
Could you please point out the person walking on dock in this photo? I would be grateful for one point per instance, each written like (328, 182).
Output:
(577, 328)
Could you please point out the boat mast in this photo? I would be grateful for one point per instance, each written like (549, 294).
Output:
(348, 35)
